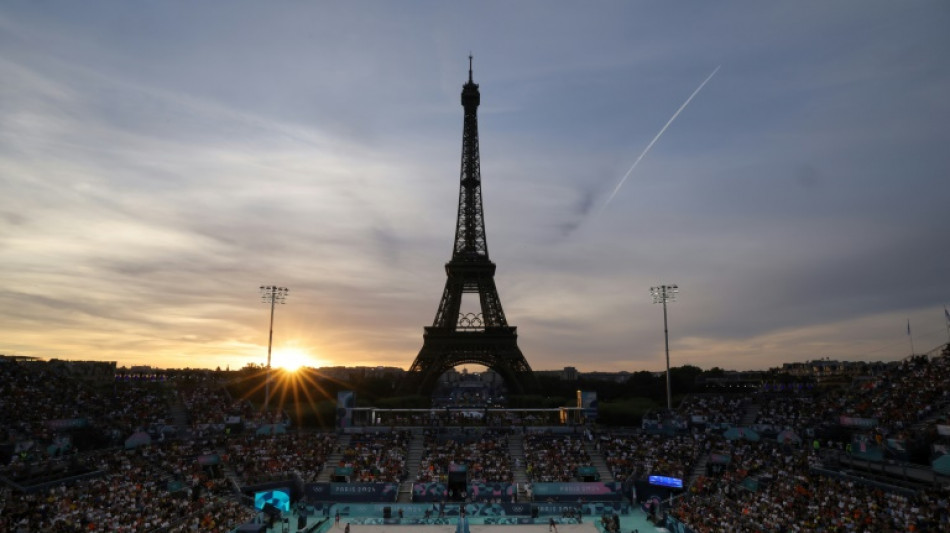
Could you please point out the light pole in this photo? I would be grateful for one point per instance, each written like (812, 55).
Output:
(663, 294)
(273, 295)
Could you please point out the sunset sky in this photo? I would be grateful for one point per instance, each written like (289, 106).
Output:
(159, 161)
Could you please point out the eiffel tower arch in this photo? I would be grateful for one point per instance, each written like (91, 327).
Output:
(459, 336)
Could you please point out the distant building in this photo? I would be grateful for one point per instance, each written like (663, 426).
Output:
(616, 377)
(93, 371)
(569, 374)
(19, 358)
(451, 376)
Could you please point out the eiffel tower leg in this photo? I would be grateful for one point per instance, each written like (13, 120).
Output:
(494, 348)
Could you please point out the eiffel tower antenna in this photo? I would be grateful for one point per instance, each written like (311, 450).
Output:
(456, 337)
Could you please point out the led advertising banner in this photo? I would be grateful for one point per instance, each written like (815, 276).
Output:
(587, 509)
(595, 491)
(352, 492)
(664, 481)
(345, 402)
(278, 498)
(589, 404)
(855, 422)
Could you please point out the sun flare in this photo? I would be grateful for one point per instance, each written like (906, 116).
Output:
(292, 359)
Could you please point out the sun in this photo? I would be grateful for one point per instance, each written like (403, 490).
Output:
(292, 359)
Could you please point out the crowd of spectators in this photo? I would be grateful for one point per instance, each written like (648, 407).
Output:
(38, 402)
(714, 409)
(209, 404)
(47, 416)
(134, 493)
(65, 437)
(178, 484)
(470, 390)
(485, 455)
(897, 398)
(781, 485)
(770, 487)
(30, 396)
(796, 412)
(259, 458)
(639, 455)
(554, 457)
(379, 456)
(220, 517)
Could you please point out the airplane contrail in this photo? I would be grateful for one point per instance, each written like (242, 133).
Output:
(663, 129)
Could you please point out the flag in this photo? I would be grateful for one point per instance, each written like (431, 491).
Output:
(908, 327)
(946, 314)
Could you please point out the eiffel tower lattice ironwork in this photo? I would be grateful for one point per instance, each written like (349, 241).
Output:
(457, 337)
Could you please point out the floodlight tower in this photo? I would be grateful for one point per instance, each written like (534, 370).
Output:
(663, 294)
(273, 295)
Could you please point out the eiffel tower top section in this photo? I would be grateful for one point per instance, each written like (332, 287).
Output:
(470, 243)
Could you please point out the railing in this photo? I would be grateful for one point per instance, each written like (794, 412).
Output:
(897, 474)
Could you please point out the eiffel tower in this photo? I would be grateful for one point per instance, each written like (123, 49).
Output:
(457, 337)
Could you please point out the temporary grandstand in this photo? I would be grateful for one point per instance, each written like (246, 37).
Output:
(175, 452)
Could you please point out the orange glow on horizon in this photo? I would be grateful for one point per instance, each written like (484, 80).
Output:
(294, 358)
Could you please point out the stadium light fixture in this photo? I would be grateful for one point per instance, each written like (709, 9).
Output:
(273, 295)
(663, 294)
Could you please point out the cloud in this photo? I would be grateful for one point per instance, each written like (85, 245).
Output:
(157, 169)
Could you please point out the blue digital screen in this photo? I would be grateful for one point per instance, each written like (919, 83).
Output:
(664, 481)
(278, 498)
